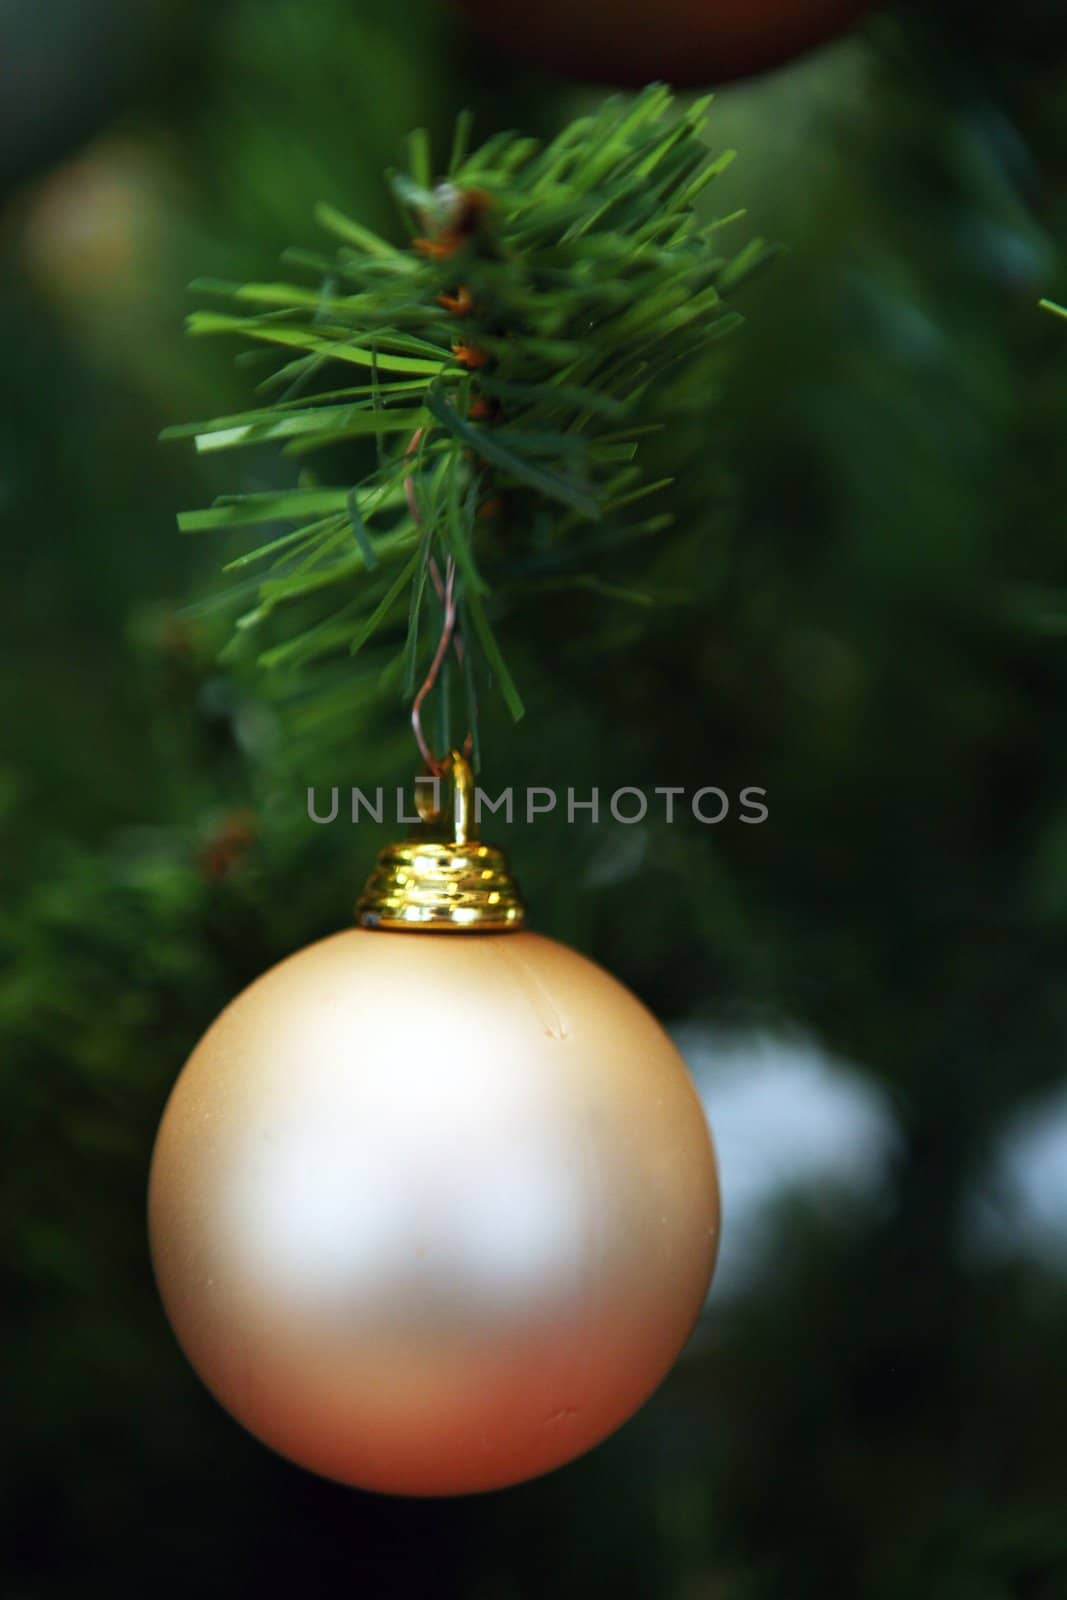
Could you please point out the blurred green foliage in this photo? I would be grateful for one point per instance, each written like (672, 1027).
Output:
(870, 565)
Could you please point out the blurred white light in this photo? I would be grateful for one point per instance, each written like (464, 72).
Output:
(1021, 1209)
(785, 1116)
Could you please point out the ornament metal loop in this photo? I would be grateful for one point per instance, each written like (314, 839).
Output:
(443, 878)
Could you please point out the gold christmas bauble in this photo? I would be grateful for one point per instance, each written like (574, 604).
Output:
(433, 1212)
(684, 42)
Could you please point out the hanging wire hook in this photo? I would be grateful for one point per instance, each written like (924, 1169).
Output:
(445, 588)
(436, 767)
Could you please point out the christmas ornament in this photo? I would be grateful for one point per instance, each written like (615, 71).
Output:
(433, 1205)
(682, 41)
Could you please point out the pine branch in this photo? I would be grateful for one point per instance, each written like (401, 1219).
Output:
(499, 365)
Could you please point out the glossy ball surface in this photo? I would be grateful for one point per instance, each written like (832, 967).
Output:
(433, 1213)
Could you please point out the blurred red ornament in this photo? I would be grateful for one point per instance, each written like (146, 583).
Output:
(681, 41)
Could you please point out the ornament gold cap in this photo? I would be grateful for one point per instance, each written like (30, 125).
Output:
(443, 879)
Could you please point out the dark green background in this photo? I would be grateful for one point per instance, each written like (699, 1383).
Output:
(872, 555)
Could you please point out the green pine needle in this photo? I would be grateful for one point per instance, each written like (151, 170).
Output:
(503, 355)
